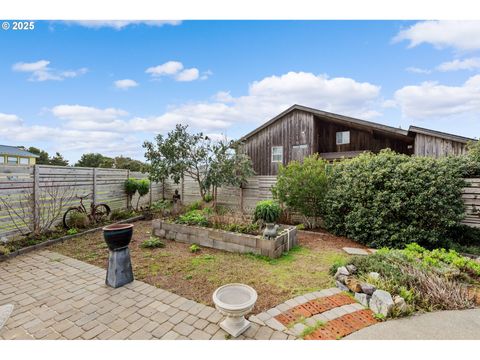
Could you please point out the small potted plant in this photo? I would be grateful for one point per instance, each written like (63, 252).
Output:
(268, 212)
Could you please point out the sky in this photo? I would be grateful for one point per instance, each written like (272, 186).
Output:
(107, 86)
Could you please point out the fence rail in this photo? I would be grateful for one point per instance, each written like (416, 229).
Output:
(106, 186)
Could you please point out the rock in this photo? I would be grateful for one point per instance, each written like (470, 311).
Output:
(341, 286)
(342, 278)
(4, 240)
(374, 275)
(363, 299)
(342, 270)
(367, 288)
(353, 284)
(400, 304)
(381, 303)
(352, 269)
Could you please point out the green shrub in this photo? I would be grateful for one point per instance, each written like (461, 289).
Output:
(161, 205)
(268, 211)
(120, 214)
(152, 242)
(78, 220)
(302, 186)
(208, 198)
(392, 200)
(196, 205)
(193, 217)
(72, 231)
(130, 186)
(194, 248)
(4, 250)
(251, 229)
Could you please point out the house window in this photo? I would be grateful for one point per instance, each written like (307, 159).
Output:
(343, 137)
(303, 146)
(23, 161)
(277, 154)
(12, 160)
(2, 159)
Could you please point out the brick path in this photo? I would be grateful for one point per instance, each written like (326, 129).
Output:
(57, 297)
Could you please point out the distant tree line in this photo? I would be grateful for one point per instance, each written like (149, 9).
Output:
(90, 160)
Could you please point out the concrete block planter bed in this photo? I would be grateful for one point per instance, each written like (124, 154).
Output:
(228, 241)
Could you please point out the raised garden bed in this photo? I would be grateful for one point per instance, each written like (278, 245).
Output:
(228, 241)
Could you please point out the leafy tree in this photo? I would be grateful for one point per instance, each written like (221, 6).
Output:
(95, 160)
(58, 159)
(43, 155)
(302, 187)
(121, 162)
(209, 163)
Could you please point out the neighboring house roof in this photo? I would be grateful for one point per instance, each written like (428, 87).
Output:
(15, 151)
(363, 123)
(457, 138)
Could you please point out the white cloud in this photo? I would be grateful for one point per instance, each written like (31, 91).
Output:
(120, 24)
(460, 35)
(176, 70)
(434, 100)
(41, 72)
(417, 70)
(465, 64)
(9, 120)
(168, 68)
(188, 75)
(125, 84)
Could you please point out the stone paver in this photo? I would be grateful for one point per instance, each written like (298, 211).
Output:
(57, 297)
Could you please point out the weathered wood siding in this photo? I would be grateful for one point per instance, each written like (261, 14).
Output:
(427, 145)
(295, 128)
(360, 139)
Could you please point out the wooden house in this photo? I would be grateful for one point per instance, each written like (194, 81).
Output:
(301, 131)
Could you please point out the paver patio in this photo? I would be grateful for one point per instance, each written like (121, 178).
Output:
(57, 297)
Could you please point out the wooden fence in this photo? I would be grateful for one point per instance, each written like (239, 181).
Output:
(106, 186)
(39, 185)
(471, 198)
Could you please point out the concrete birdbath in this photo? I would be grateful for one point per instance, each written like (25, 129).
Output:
(235, 301)
(119, 271)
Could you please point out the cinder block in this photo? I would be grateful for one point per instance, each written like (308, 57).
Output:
(170, 235)
(182, 237)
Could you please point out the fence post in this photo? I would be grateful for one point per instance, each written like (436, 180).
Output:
(128, 198)
(241, 200)
(182, 190)
(150, 200)
(94, 193)
(36, 198)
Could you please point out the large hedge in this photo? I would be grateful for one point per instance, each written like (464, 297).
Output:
(391, 200)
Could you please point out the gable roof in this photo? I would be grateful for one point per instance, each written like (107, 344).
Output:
(15, 151)
(359, 122)
(457, 138)
(331, 116)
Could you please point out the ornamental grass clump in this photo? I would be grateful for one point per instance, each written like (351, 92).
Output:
(390, 199)
(267, 211)
(427, 280)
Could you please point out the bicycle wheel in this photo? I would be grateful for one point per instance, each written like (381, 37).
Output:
(101, 212)
(72, 218)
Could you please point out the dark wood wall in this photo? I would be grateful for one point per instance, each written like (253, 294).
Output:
(295, 128)
(426, 145)
(360, 139)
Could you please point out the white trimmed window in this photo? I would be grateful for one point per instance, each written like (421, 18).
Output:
(343, 137)
(23, 161)
(12, 160)
(277, 154)
(2, 159)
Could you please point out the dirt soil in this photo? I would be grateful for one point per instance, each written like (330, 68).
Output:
(197, 275)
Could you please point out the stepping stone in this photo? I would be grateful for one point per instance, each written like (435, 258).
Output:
(5, 312)
(355, 251)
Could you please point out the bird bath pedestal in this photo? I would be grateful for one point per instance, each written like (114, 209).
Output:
(235, 301)
(117, 237)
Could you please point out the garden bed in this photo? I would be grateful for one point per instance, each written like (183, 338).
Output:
(226, 240)
(196, 275)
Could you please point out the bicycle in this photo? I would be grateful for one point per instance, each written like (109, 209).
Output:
(98, 213)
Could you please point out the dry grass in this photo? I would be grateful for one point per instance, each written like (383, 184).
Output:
(196, 276)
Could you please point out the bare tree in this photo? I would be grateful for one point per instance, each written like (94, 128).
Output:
(50, 204)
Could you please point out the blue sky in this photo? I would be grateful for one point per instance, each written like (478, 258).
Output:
(107, 86)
